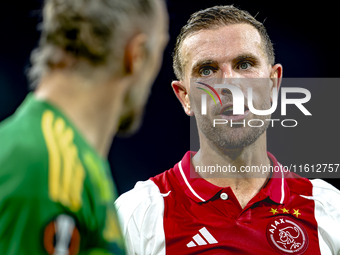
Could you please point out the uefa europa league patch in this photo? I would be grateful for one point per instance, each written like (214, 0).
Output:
(287, 236)
(61, 236)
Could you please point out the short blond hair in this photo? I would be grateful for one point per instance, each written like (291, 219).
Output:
(215, 17)
(93, 31)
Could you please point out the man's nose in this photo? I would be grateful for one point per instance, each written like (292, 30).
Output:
(228, 71)
(228, 75)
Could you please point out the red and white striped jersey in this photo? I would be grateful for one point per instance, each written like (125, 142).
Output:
(175, 214)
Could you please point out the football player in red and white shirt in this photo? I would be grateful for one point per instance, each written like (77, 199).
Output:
(184, 212)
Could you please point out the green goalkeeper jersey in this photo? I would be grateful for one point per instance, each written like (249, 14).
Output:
(56, 193)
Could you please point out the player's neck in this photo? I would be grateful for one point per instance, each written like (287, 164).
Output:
(93, 108)
(253, 155)
(230, 164)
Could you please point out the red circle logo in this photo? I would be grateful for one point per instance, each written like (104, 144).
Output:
(287, 236)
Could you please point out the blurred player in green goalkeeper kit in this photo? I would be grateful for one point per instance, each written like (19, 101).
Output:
(93, 69)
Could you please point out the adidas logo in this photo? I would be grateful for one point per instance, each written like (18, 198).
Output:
(199, 239)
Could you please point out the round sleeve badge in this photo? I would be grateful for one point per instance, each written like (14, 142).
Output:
(287, 236)
(61, 236)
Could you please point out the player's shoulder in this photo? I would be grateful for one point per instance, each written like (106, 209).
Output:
(322, 185)
(325, 196)
(22, 129)
(316, 188)
(23, 154)
(144, 202)
(141, 197)
(326, 193)
(146, 199)
(22, 166)
(19, 148)
(20, 134)
(140, 212)
(327, 214)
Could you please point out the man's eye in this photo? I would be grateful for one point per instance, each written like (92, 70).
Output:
(206, 72)
(245, 65)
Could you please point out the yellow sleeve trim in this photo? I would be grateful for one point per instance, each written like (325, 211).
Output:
(66, 173)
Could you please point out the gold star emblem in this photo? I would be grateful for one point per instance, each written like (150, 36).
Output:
(296, 213)
(284, 210)
(273, 211)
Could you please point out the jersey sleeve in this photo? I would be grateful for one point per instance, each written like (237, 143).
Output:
(26, 229)
(55, 195)
(140, 211)
(31, 222)
(327, 215)
(25, 209)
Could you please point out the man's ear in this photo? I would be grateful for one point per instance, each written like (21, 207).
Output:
(183, 96)
(276, 78)
(135, 53)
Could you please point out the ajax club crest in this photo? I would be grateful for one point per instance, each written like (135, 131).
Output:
(287, 236)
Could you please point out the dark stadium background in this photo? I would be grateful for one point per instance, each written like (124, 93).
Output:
(306, 42)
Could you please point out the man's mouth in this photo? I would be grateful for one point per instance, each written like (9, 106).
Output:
(229, 110)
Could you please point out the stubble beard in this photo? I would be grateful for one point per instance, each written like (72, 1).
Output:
(239, 135)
